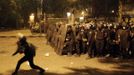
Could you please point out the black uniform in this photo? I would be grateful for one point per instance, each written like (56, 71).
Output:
(29, 51)
(100, 41)
(124, 43)
(91, 43)
(131, 47)
(78, 43)
(70, 40)
(83, 40)
(106, 34)
(113, 43)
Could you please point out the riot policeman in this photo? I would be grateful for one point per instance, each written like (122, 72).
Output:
(131, 40)
(80, 41)
(113, 42)
(124, 42)
(99, 36)
(69, 40)
(91, 42)
(106, 34)
(84, 39)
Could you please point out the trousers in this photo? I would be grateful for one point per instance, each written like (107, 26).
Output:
(30, 60)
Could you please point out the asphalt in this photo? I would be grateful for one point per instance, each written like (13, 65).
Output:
(55, 64)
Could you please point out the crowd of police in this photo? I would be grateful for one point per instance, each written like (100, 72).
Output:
(95, 38)
(101, 39)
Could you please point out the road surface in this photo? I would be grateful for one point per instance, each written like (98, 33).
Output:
(55, 64)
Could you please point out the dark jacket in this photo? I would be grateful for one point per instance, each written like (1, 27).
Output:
(28, 49)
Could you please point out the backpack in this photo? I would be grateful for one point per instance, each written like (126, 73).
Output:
(32, 49)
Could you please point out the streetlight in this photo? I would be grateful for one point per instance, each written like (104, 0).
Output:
(113, 11)
(83, 13)
(82, 16)
(68, 16)
(81, 19)
(41, 6)
(31, 18)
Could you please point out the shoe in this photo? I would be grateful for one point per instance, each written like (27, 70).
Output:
(14, 73)
(41, 72)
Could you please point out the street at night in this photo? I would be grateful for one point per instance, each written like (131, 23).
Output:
(55, 64)
(66, 37)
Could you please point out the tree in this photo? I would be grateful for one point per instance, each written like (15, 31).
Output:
(105, 7)
(8, 10)
(56, 7)
(60, 7)
(26, 7)
(83, 4)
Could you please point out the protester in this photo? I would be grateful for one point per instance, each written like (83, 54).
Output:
(29, 52)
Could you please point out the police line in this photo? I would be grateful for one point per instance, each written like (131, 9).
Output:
(56, 34)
